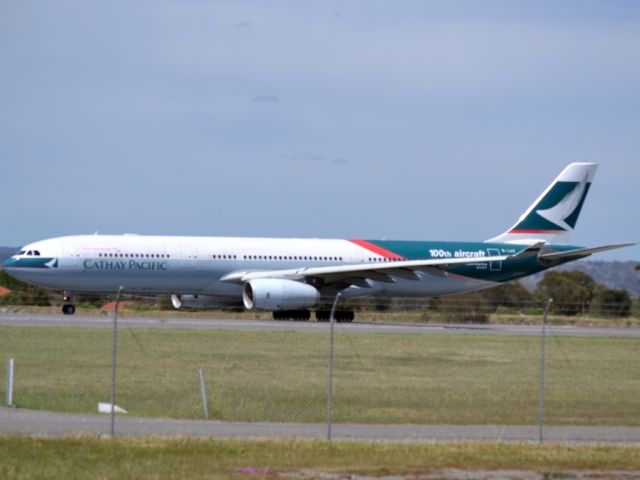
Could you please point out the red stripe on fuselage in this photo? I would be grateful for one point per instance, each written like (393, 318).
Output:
(372, 247)
(534, 231)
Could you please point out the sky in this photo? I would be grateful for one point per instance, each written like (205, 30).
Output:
(420, 120)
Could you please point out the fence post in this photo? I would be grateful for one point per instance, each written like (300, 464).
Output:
(203, 394)
(542, 363)
(114, 355)
(9, 399)
(332, 321)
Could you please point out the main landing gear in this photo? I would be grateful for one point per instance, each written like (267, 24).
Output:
(68, 308)
(295, 315)
(342, 316)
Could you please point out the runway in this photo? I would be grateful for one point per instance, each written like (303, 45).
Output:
(139, 322)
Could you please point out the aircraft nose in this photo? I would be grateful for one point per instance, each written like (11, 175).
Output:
(8, 263)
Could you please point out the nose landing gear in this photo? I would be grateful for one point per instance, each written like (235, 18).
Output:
(68, 308)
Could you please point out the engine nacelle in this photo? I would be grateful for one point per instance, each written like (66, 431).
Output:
(276, 294)
(200, 302)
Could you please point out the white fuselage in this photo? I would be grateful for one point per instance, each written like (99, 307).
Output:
(197, 265)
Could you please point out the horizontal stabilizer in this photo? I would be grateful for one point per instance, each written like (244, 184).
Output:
(581, 252)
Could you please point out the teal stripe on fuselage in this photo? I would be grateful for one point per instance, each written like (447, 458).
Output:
(27, 262)
(504, 271)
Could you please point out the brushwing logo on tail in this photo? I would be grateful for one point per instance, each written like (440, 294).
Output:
(566, 207)
(558, 211)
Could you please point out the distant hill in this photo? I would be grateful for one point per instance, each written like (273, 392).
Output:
(611, 274)
(6, 252)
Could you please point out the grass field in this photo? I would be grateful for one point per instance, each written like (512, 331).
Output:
(282, 376)
(122, 459)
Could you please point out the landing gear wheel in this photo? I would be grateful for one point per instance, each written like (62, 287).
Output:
(299, 315)
(345, 316)
(69, 309)
(342, 316)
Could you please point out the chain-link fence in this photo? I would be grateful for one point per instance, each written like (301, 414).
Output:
(383, 374)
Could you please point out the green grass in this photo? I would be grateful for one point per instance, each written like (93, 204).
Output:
(282, 376)
(122, 459)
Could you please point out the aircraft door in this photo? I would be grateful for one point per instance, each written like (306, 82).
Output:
(70, 256)
(494, 266)
(186, 257)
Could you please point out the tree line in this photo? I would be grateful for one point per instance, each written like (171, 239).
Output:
(574, 293)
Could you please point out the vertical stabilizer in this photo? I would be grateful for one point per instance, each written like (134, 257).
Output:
(553, 216)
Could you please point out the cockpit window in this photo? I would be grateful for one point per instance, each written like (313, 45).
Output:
(32, 253)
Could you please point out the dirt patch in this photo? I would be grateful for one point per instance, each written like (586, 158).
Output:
(110, 307)
(461, 474)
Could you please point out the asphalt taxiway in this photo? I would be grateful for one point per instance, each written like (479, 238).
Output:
(16, 421)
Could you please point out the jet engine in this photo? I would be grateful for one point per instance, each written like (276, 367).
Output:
(278, 294)
(200, 302)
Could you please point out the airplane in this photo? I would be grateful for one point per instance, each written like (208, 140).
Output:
(290, 276)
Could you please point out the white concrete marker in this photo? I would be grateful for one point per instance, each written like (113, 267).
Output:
(104, 407)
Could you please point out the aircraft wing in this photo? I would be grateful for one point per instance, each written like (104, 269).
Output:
(383, 272)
